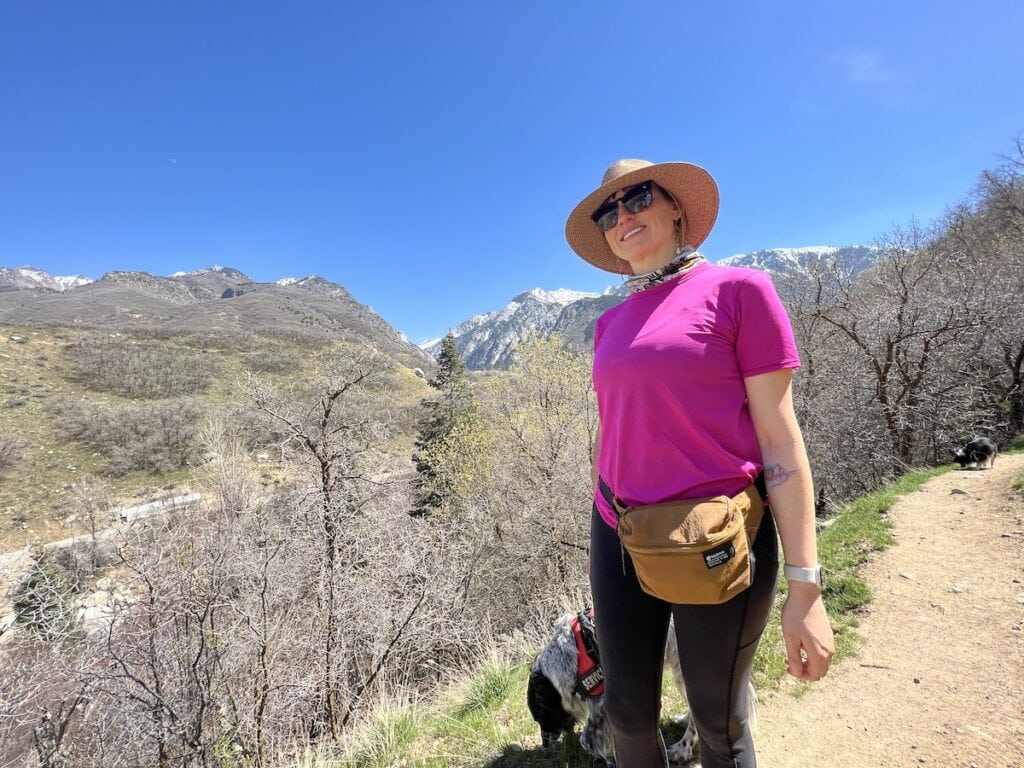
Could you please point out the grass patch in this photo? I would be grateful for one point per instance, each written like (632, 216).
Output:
(487, 689)
(483, 715)
(481, 721)
(392, 729)
(1016, 445)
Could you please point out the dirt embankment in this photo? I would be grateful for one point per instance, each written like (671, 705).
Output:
(939, 680)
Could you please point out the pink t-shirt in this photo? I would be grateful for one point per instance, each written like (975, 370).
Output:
(669, 364)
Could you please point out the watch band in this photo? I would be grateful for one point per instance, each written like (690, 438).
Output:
(811, 575)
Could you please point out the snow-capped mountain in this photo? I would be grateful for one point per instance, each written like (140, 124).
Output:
(487, 340)
(802, 262)
(19, 278)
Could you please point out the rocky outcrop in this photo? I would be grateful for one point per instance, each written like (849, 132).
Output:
(29, 278)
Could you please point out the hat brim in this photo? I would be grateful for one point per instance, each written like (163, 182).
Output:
(692, 187)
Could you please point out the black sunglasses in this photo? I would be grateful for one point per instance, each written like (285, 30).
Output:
(636, 199)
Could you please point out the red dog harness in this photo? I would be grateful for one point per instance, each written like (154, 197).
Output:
(589, 675)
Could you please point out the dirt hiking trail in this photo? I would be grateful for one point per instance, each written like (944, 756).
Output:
(939, 679)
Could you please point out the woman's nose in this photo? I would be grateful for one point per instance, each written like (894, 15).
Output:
(621, 211)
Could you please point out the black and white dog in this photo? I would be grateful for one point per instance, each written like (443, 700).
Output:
(981, 452)
(566, 686)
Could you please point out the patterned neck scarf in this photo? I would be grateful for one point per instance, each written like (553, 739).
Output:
(686, 258)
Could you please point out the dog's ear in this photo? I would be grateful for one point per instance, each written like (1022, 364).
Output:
(545, 705)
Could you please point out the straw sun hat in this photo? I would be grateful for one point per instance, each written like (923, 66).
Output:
(691, 186)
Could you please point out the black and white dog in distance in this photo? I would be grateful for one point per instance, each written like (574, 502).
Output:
(981, 452)
(566, 686)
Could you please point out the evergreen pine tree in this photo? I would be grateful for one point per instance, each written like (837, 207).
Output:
(455, 400)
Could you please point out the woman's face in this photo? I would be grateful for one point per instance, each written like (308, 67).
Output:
(646, 239)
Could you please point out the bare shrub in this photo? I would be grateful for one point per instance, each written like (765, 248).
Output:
(155, 436)
(141, 369)
(332, 440)
(40, 697)
(11, 451)
(223, 340)
(275, 359)
(43, 601)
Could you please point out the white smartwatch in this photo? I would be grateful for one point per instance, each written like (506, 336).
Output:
(807, 575)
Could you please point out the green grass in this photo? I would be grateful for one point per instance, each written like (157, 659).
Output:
(1016, 445)
(392, 730)
(484, 721)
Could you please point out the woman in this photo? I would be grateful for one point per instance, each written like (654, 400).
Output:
(693, 378)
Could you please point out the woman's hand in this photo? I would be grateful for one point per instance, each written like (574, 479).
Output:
(807, 632)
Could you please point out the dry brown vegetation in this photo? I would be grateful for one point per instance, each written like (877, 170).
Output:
(155, 436)
(272, 616)
(141, 370)
(275, 359)
(11, 449)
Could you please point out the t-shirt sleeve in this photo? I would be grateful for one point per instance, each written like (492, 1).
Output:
(764, 335)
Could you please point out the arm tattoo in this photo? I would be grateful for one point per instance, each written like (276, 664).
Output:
(775, 475)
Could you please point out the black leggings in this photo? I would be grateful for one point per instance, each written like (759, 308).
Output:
(716, 652)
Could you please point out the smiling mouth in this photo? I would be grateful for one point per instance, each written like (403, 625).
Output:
(631, 232)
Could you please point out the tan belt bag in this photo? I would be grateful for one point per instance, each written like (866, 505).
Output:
(694, 552)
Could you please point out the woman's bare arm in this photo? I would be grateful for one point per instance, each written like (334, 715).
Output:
(805, 625)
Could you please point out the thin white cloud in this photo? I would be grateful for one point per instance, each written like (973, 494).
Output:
(864, 68)
(851, 75)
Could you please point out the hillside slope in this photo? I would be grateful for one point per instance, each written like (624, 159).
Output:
(217, 301)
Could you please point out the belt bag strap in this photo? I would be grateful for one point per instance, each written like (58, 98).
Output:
(610, 497)
(762, 488)
(617, 504)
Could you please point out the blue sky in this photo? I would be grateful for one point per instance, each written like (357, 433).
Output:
(425, 154)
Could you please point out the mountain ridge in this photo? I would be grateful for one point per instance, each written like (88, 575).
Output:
(213, 300)
(19, 278)
(198, 301)
(488, 340)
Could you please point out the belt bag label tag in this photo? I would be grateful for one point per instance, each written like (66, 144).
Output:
(717, 557)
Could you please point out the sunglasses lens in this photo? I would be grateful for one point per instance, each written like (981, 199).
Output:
(606, 217)
(638, 198)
